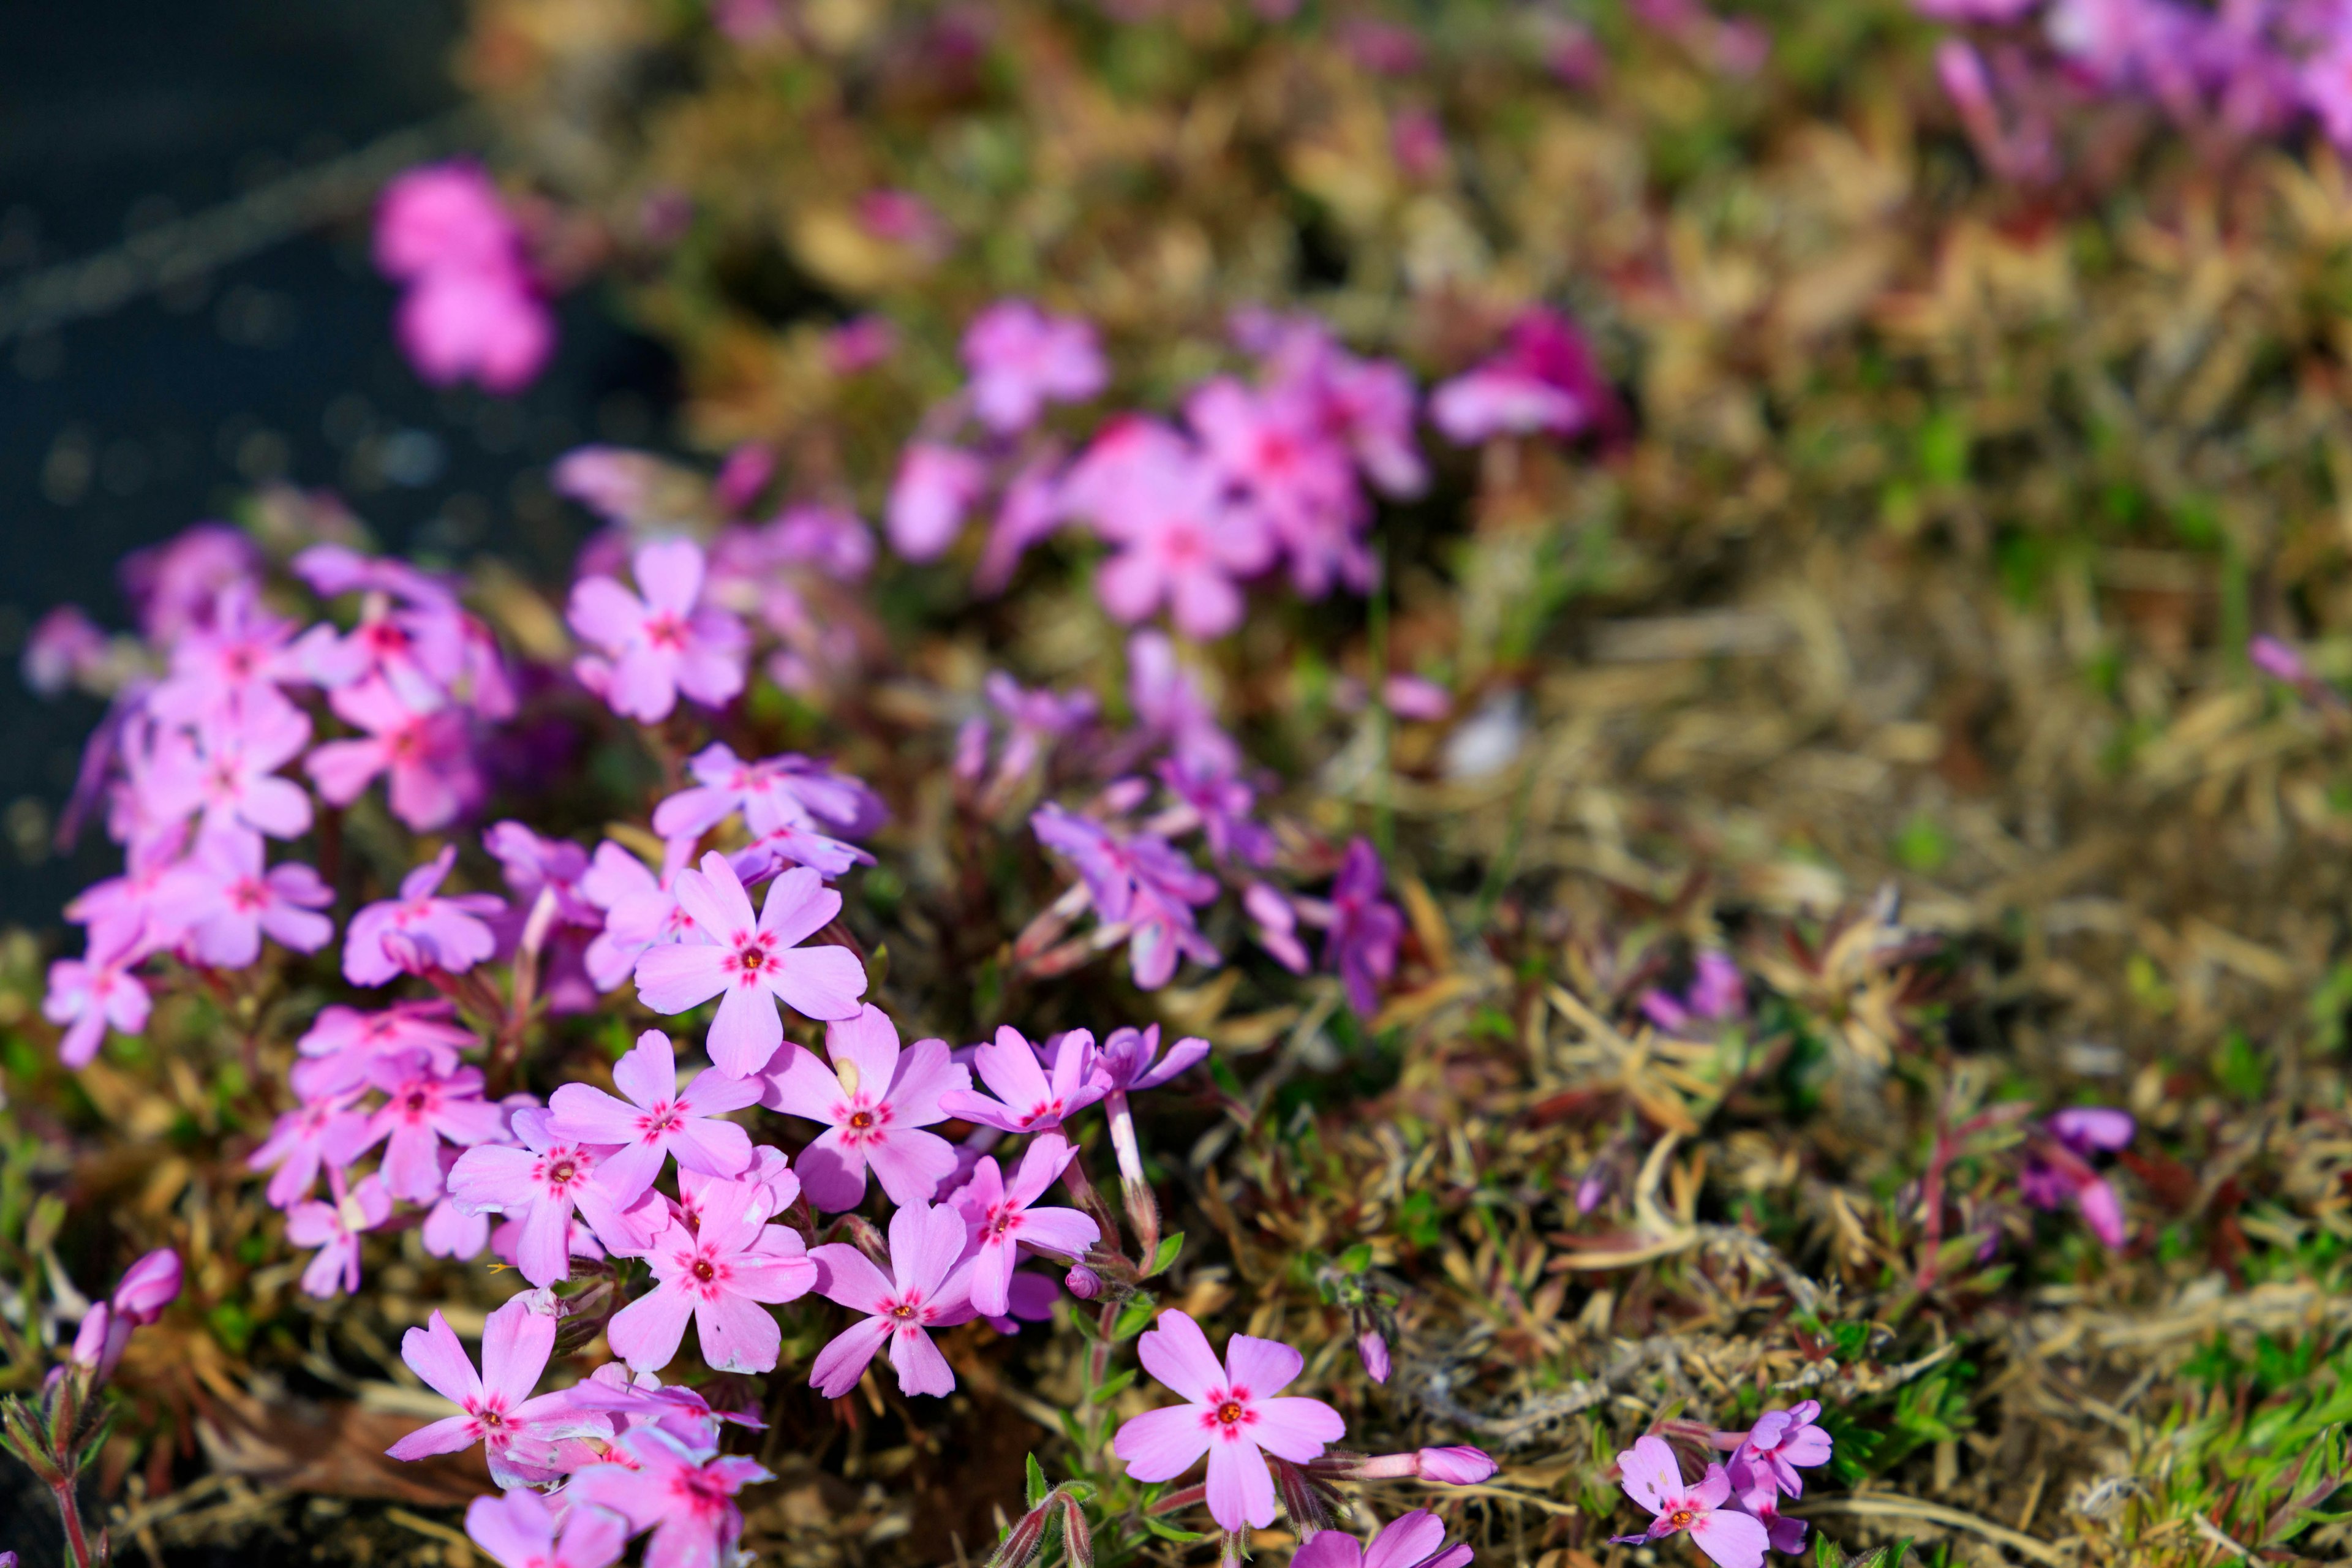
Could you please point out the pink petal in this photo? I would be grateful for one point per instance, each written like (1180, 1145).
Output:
(710, 1093)
(1651, 1474)
(685, 975)
(713, 1148)
(838, 1365)
(1160, 1445)
(1059, 1230)
(647, 1074)
(515, 1529)
(847, 1276)
(645, 1332)
(1240, 1488)
(449, 1436)
(433, 1353)
(745, 1033)
(926, 1072)
(516, 1343)
(833, 1175)
(669, 575)
(738, 1334)
(925, 1243)
(714, 896)
(1177, 1353)
(1294, 1429)
(1009, 1069)
(816, 983)
(1330, 1548)
(1263, 1367)
(869, 1041)
(1732, 1540)
(797, 1084)
(1409, 1539)
(605, 613)
(922, 1368)
(586, 1114)
(909, 1162)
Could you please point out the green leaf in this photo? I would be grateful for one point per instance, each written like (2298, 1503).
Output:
(1229, 1084)
(1170, 1245)
(1170, 1533)
(1135, 1317)
(1109, 1391)
(1037, 1486)
(1357, 1259)
(1824, 1555)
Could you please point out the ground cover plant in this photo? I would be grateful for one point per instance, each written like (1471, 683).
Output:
(1400, 785)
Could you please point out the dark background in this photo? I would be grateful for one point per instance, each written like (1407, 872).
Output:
(117, 431)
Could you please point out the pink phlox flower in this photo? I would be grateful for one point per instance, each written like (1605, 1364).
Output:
(1367, 404)
(235, 902)
(641, 910)
(1716, 992)
(533, 865)
(1753, 1491)
(1171, 709)
(1221, 804)
(657, 1121)
(1361, 929)
(333, 570)
(1004, 1217)
(2057, 1167)
(228, 770)
(421, 1109)
(342, 1044)
(234, 666)
(789, 844)
(723, 1274)
(427, 757)
(496, 1406)
(874, 1100)
(491, 327)
(445, 216)
(750, 965)
(420, 929)
(145, 1289)
(65, 648)
(1231, 1412)
(686, 1496)
(1544, 382)
(149, 906)
(1781, 1441)
(1022, 358)
(176, 587)
(517, 1530)
(666, 642)
(830, 540)
(859, 345)
(936, 485)
(644, 1399)
(928, 1288)
(88, 992)
(1416, 1539)
(775, 792)
(1115, 866)
(1030, 511)
(1130, 1060)
(1652, 1479)
(1274, 459)
(1026, 1099)
(449, 1230)
(1179, 537)
(1274, 925)
(539, 1185)
(326, 1132)
(334, 1228)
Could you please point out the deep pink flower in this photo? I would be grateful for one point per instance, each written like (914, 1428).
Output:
(421, 1108)
(791, 845)
(1754, 1493)
(442, 216)
(874, 1100)
(1026, 1100)
(935, 486)
(669, 641)
(1273, 456)
(233, 901)
(420, 929)
(88, 992)
(2057, 1167)
(751, 965)
(343, 1042)
(1221, 805)
(771, 793)
(518, 1432)
(719, 1273)
(1231, 1412)
(1543, 382)
(1022, 358)
(1654, 1480)
(1003, 1219)
(334, 1228)
(1416, 1539)
(1180, 539)
(659, 1119)
(490, 326)
(1781, 1440)
(517, 1530)
(684, 1496)
(325, 1132)
(539, 1185)
(927, 1291)
(1361, 929)
(428, 755)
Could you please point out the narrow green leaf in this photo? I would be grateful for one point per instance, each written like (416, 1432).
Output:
(1170, 1533)
(1109, 1391)
(1170, 1245)
(1037, 1486)
(1135, 1317)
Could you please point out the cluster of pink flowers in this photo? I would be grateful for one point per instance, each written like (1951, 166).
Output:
(1733, 1513)
(472, 307)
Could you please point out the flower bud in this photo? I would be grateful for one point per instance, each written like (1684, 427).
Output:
(1375, 1351)
(1460, 1465)
(1082, 1282)
(148, 1287)
(90, 1344)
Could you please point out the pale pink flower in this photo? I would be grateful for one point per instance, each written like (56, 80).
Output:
(1652, 1479)
(88, 992)
(640, 910)
(517, 1530)
(1231, 1412)
(684, 1496)
(420, 929)
(489, 326)
(233, 667)
(517, 1431)
(722, 1274)
(1005, 1218)
(935, 486)
(1180, 540)
(421, 1108)
(771, 793)
(147, 1287)
(658, 1121)
(751, 965)
(669, 641)
(427, 754)
(343, 1042)
(538, 1186)
(325, 1132)
(334, 1228)
(1022, 358)
(235, 902)
(228, 770)
(874, 1100)
(927, 1290)
(1416, 1539)
(1026, 1100)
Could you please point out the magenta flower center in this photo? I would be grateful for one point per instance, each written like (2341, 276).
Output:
(665, 630)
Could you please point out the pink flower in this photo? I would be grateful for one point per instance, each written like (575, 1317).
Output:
(517, 1530)
(1272, 454)
(751, 965)
(343, 1044)
(667, 642)
(518, 1432)
(874, 1100)
(147, 1287)
(640, 910)
(442, 216)
(659, 1120)
(1783, 1439)
(235, 902)
(88, 992)
(1754, 1493)
(65, 647)
(228, 770)
(318, 1132)
(719, 1273)
(421, 1108)
(491, 327)
(1458, 1466)
(926, 1291)
(1178, 539)
(772, 793)
(539, 1185)
(2058, 1167)
(1171, 709)
(233, 667)
(1416, 1539)
(1544, 382)
(1361, 929)
(1003, 1220)
(427, 754)
(1230, 1412)
(335, 1229)
(1022, 358)
(420, 929)
(684, 1496)
(1027, 1101)
(1654, 1480)
(935, 486)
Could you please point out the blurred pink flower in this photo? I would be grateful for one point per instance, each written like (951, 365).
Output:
(670, 640)
(1022, 358)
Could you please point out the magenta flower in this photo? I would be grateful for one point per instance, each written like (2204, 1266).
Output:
(420, 930)
(684, 1496)
(146, 1288)
(335, 1229)
(874, 1102)
(1459, 1466)
(1125, 1066)
(1782, 1440)
(1361, 929)
(926, 1291)
(1654, 1480)
(1026, 1100)
(427, 754)
(421, 1108)
(772, 793)
(659, 1119)
(750, 966)
(235, 902)
(1231, 1412)
(518, 1432)
(517, 1530)
(2058, 1166)
(1022, 358)
(88, 992)
(488, 327)
(1179, 538)
(537, 1186)
(669, 641)
(718, 1274)
(1753, 1491)
(1544, 382)
(1003, 1219)
(1274, 458)
(442, 216)
(1416, 1539)
(343, 1042)
(228, 770)
(935, 486)
(325, 1132)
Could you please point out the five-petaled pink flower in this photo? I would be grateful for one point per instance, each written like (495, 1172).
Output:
(684, 1496)
(1022, 358)
(1003, 1220)
(1783, 1439)
(2058, 1166)
(874, 1100)
(517, 1431)
(420, 929)
(1653, 1478)
(719, 1273)
(235, 902)
(421, 1108)
(517, 1530)
(659, 1120)
(1026, 1100)
(926, 1291)
(1416, 1539)
(746, 963)
(228, 770)
(666, 642)
(1231, 1413)
(88, 992)
(1180, 537)
(539, 1185)
(335, 1229)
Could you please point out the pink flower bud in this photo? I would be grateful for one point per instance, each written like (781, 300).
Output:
(1460, 1465)
(2275, 660)
(1082, 1282)
(90, 1344)
(1375, 1351)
